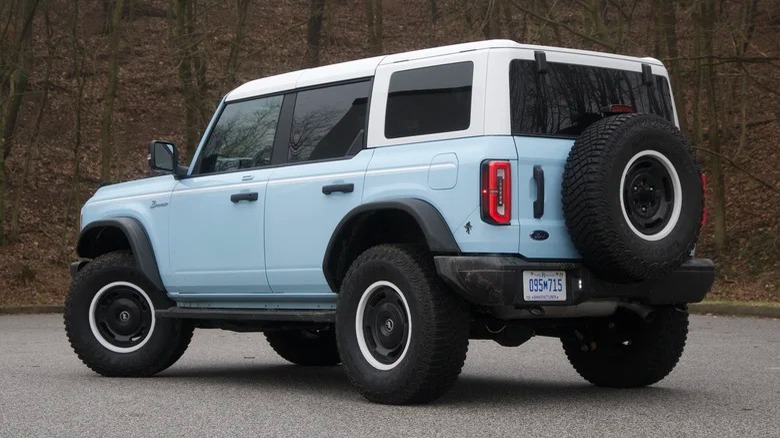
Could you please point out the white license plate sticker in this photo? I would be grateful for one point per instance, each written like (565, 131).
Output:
(544, 285)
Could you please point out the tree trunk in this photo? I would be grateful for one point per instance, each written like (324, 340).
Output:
(16, 208)
(669, 26)
(748, 26)
(490, 28)
(78, 59)
(314, 33)
(191, 70)
(15, 96)
(231, 67)
(708, 10)
(374, 22)
(110, 91)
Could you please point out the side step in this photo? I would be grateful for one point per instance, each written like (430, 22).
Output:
(249, 314)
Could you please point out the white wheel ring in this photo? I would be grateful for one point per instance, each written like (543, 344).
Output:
(361, 339)
(93, 324)
(676, 188)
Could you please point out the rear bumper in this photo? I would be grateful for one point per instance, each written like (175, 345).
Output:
(498, 281)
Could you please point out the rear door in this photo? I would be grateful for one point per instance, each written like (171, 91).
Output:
(216, 231)
(320, 183)
(549, 109)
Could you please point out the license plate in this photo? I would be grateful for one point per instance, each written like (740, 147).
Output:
(544, 285)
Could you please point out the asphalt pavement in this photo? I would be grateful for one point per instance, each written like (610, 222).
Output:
(231, 384)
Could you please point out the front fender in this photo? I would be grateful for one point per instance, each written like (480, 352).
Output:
(102, 236)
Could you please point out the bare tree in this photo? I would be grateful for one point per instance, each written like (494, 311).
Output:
(78, 57)
(32, 146)
(110, 91)
(191, 60)
(374, 22)
(490, 26)
(707, 18)
(314, 33)
(668, 30)
(231, 66)
(13, 85)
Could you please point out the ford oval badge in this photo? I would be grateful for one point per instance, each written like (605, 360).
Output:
(540, 235)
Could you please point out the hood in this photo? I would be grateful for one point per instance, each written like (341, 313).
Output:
(147, 186)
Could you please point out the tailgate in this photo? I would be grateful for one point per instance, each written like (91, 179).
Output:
(544, 236)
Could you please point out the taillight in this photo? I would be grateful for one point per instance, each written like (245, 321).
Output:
(496, 192)
(617, 108)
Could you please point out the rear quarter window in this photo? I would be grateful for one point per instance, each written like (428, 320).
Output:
(568, 97)
(429, 100)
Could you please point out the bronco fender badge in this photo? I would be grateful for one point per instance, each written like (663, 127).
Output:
(156, 204)
(540, 235)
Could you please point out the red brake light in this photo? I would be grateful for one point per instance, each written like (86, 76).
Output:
(496, 192)
(617, 108)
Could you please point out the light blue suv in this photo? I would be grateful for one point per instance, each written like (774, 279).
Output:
(382, 212)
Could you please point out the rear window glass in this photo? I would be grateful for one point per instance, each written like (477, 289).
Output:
(429, 100)
(567, 98)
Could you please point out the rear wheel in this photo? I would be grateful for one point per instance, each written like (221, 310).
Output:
(625, 351)
(110, 321)
(401, 334)
(305, 347)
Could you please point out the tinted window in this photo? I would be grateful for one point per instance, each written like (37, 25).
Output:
(243, 137)
(568, 98)
(327, 121)
(429, 100)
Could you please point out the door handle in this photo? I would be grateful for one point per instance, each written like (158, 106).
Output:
(539, 203)
(343, 188)
(244, 196)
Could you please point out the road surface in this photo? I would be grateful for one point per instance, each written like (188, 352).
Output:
(230, 384)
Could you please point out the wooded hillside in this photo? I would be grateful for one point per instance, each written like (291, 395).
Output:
(85, 84)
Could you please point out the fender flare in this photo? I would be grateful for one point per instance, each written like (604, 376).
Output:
(137, 238)
(433, 226)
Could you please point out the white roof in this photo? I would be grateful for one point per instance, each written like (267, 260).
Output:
(367, 67)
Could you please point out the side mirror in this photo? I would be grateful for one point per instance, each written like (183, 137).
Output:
(163, 157)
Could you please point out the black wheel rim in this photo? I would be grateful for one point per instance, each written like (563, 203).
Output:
(385, 325)
(648, 195)
(123, 317)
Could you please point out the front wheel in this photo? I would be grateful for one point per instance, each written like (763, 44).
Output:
(401, 334)
(111, 324)
(625, 351)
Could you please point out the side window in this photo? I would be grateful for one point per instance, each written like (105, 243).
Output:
(429, 100)
(243, 137)
(328, 121)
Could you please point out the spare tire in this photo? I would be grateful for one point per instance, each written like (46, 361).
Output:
(632, 197)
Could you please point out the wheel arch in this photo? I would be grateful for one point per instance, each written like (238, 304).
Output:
(407, 220)
(116, 234)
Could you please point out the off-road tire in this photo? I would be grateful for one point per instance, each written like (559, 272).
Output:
(305, 347)
(166, 343)
(438, 335)
(654, 351)
(597, 211)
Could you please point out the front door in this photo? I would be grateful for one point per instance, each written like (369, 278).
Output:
(217, 213)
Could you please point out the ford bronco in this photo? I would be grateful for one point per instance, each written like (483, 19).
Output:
(380, 213)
